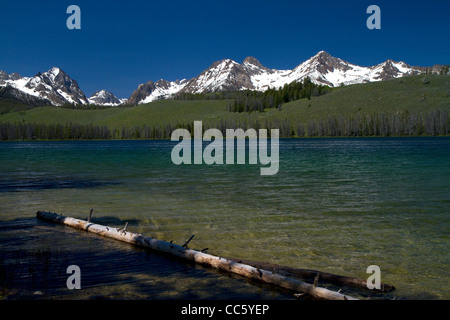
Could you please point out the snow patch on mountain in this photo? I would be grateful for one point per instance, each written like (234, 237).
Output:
(151, 91)
(105, 98)
(164, 89)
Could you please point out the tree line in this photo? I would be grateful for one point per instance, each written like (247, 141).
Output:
(220, 95)
(249, 100)
(31, 131)
(433, 123)
(91, 106)
(252, 100)
(409, 123)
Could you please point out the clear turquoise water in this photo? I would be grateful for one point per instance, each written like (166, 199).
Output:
(336, 205)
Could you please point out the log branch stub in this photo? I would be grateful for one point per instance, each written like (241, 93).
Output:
(185, 245)
(90, 215)
(316, 280)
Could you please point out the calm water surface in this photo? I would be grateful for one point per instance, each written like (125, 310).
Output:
(336, 205)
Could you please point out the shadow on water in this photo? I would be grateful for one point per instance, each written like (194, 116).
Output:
(43, 184)
(18, 223)
(34, 257)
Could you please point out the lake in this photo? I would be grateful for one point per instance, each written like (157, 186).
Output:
(335, 205)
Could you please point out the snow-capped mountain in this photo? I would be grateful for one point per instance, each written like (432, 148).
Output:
(151, 91)
(8, 92)
(105, 98)
(57, 88)
(54, 85)
(328, 70)
(229, 75)
(322, 69)
(225, 75)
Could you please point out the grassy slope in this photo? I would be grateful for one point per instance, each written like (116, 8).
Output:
(407, 94)
(156, 113)
(394, 96)
(11, 105)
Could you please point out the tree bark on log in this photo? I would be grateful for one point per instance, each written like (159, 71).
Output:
(229, 265)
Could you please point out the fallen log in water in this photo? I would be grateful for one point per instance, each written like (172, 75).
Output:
(310, 275)
(228, 265)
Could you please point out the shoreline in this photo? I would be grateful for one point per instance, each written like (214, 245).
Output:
(281, 138)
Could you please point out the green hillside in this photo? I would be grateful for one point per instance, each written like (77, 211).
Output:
(156, 113)
(413, 102)
(11, 105)
(417, 93)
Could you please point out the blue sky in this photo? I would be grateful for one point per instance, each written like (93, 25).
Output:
(124, 43)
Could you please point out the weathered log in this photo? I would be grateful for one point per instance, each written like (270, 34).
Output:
(310, 275)
(228, 265)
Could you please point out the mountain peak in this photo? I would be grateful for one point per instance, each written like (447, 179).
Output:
(56, 86)
(253, 61)
(54, 70)
(223, 64)
(5, 76)
(102, 92)
(322, 53)
(325, 57)
(323, 63)
(53, 73)
(104, 98)
(151, 91)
